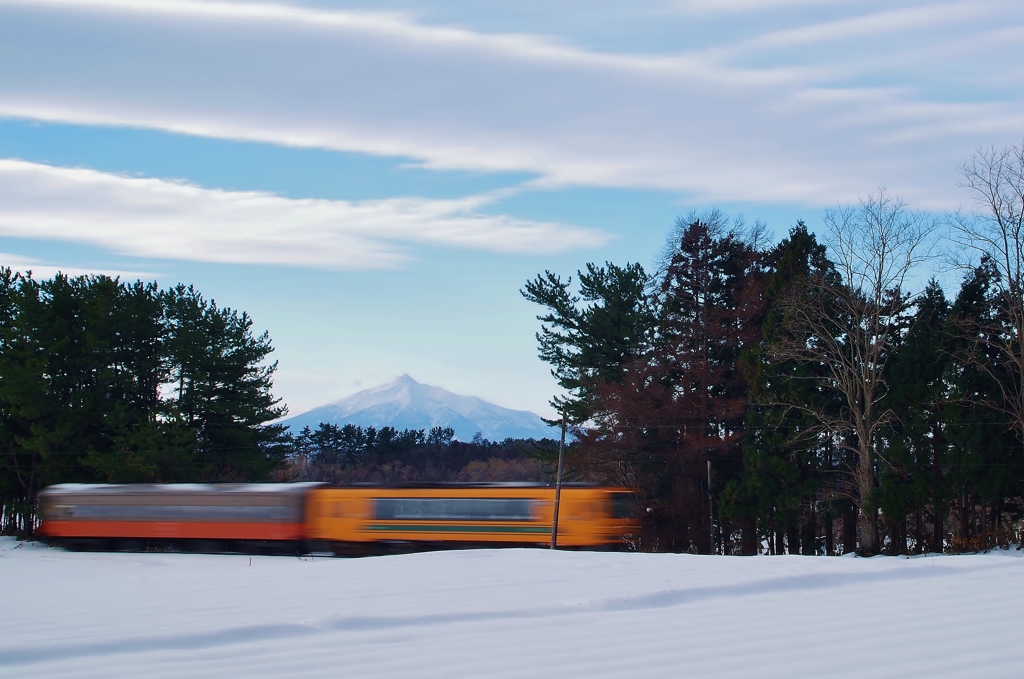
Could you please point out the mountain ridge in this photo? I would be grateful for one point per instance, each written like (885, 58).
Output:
(404, 403)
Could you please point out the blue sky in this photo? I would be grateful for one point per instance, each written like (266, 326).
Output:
(374, 181)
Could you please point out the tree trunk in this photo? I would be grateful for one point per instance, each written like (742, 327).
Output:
(965, 528)
(830, 541)
(793, 536)
(997, 522)
(919, 531)
(938, 533)
(730, 545)
(850, 529)
(810, 532)
(748, 539)
(867, 525)
(867, 532)
(984, 520)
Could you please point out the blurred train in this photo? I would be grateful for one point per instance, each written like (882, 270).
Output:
(291, 518)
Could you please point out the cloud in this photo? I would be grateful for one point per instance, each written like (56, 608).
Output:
(870, 25)
(41, 270)
(812, 131)
(163, 219)
(731, 6)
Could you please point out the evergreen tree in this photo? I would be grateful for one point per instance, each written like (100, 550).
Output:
(710, 304)
(984, 471)
(222, 388)
(590, 337)
(911, 477)
(788, 462)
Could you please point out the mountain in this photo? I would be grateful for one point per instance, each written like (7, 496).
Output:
(404, 403)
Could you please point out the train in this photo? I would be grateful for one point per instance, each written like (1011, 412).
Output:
(289, 518)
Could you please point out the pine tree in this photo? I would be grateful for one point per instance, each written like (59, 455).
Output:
(222, 388)
(911, 477)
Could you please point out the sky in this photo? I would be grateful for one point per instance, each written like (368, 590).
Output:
(374, 182)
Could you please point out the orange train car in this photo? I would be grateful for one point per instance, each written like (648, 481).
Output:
(360, 519)
(300, 517)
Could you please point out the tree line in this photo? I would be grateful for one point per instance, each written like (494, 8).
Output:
(802, 397)
(103, 380)
(349, 454)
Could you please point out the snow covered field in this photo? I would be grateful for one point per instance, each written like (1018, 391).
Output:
(508, 613)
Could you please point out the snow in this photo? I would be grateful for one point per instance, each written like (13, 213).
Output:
(508, 613)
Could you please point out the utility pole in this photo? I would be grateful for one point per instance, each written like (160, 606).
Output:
(558, 487)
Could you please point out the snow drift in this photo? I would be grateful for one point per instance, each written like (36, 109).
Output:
(508, 613)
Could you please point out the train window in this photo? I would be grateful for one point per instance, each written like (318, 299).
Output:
(269, 513)
(57, 512)
(623, 506)
(442, 508)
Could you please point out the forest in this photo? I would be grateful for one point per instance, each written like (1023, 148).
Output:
(819, 395)
(822, 395)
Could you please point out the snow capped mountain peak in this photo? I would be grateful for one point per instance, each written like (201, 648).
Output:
(404, 403)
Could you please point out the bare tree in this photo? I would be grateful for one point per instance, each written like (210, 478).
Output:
(847, 325)
(994, 231)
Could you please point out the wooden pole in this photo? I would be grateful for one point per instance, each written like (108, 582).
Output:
(558, 487)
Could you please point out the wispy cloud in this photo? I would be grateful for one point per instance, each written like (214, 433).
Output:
(798, 131)
(870, 25)
(162, 219)
(730, 6)
(42, 269)
(387, 25)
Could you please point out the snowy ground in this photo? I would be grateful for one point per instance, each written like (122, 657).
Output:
(508, 613)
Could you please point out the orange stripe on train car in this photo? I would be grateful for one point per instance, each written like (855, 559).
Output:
(209, 530)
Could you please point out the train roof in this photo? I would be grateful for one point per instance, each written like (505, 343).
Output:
(469, 484)
(100, 489)
(172, 488)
